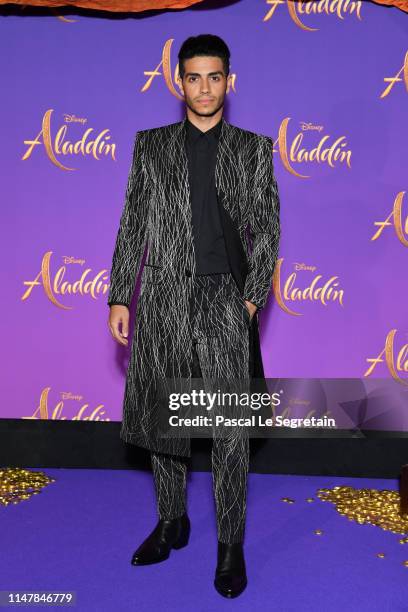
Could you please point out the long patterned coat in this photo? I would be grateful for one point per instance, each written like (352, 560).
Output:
(157, 212)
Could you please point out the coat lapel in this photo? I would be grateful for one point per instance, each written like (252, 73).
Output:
(176, 166)
(226, 166)
(226, 162)
(226, 181)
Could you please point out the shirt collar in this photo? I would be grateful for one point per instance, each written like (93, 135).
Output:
(194, 133)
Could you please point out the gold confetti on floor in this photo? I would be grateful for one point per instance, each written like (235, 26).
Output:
(368, 506)
(17, 484)
(288, 500)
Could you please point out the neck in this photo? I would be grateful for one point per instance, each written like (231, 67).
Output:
(202, 122)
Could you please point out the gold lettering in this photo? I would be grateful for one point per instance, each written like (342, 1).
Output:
(92, 417)
(396, 78)
(94, 287)
(42, 411)
(319, 154)
(274, 4)
(330, 7)
(323, 294)
(402, 361)
(388, 350)
(400, 229)
(95, 147)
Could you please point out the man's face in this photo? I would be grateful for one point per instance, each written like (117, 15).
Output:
(204, 84)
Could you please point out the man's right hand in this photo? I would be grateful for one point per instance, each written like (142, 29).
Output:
(118, 323)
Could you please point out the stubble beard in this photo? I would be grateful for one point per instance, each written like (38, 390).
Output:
(205, 114)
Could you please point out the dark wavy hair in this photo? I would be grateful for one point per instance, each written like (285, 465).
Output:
(204, 45)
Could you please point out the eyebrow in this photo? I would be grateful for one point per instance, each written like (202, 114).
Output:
(208, 73)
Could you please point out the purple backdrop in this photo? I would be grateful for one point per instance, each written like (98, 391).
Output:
(327, 86)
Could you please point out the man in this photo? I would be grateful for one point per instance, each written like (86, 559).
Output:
(194, 188)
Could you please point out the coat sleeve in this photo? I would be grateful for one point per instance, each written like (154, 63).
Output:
(264, 226)
(131, 236)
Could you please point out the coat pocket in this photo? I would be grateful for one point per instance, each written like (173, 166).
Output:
(151, 275)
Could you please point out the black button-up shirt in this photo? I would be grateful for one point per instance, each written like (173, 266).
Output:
(201, 149)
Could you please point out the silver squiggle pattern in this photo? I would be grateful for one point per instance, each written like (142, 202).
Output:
(157, 213)
(220, 331)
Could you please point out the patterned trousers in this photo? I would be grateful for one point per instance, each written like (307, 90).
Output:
(220, 331)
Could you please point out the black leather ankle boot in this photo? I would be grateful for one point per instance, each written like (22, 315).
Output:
(168, 534)
(230, 575)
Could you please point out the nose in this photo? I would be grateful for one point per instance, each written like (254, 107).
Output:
(205, 88)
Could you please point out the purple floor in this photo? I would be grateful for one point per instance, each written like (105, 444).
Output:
(80, 532)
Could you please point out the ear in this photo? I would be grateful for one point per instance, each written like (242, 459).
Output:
(229, 81)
